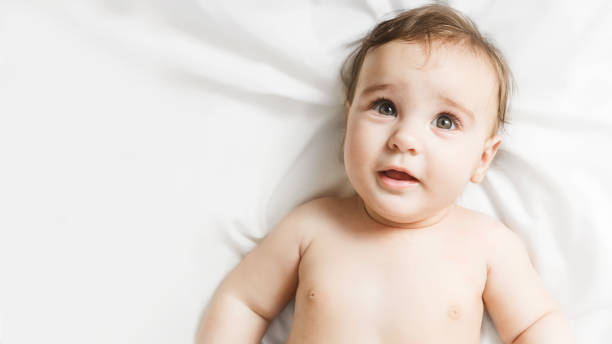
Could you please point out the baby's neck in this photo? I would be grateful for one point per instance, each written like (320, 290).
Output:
(417, 224)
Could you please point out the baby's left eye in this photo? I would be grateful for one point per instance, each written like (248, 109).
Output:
(446, 121)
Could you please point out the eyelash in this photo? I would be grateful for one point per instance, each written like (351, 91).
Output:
(451, 115)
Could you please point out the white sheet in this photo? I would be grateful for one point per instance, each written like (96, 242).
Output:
(146, 146)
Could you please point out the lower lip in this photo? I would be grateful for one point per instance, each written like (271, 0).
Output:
(395, 183)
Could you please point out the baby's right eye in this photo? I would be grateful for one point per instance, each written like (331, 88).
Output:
(385, 107)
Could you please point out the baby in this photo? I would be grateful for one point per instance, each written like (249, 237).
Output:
(400, 261)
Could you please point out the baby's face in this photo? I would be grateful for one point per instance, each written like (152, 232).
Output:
(430, 116)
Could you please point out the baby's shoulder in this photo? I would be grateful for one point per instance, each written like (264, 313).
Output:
(318, 218)
(316, 214)
(321, 209)
(486, 227)
(492, 233)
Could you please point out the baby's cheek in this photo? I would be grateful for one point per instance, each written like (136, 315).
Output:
(357, 151)
(450, 180)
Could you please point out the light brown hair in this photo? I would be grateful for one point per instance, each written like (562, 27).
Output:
(429, 24)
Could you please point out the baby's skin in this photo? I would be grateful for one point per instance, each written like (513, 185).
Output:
(362, 282)
(400, 261)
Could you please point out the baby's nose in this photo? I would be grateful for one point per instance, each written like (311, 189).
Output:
(405, 139)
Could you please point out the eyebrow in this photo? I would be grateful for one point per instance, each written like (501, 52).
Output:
(457, 105)
(376, 87)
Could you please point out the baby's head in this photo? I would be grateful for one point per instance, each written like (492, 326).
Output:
(431, 26)
(425, 93)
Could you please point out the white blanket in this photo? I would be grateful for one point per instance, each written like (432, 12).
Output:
(147, 146)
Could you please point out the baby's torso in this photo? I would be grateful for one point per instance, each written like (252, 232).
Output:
(356, 285)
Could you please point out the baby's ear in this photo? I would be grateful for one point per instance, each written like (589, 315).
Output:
(488, 153)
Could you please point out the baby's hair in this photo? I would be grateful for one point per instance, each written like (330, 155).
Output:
(429, 24)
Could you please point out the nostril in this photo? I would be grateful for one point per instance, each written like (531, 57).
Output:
(403, 143)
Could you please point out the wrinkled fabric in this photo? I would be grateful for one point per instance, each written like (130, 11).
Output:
(147, 146)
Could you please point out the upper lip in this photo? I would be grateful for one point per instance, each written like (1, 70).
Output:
(398, 168)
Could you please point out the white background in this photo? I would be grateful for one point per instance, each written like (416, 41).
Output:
(146, 146)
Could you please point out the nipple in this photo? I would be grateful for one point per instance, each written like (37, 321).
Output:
(454, 312)
(312, 295)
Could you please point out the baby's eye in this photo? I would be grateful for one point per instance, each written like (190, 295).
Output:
(446, 121)
(385, 107)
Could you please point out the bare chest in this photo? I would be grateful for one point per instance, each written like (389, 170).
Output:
(413, 289)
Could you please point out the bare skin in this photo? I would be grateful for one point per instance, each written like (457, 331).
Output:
(397, 264)
(356, 280)
(363, 282)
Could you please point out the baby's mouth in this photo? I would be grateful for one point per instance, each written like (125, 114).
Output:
(398, 175)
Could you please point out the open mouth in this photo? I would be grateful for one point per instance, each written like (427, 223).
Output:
(398, 175)
(394, 179)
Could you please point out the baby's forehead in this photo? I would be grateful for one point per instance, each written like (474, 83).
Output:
(427, 57)
(454, 71)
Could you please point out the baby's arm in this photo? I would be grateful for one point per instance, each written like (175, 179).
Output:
(258, 288)
(516, 298)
